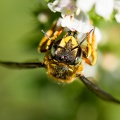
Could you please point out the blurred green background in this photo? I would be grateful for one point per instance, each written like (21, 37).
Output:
(31, 94)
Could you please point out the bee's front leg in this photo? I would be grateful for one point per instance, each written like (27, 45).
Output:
(90, 56)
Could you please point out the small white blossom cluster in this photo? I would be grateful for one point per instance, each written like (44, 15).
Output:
(72, 17)
(74, 14)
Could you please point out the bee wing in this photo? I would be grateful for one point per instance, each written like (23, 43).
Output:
(97, 91)
(25, 65)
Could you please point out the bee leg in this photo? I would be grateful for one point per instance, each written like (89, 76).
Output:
(53, 38)
(91, 49)
(50, 36)
(94, 48)
(46, 38)
(25, 65)
(96, 90)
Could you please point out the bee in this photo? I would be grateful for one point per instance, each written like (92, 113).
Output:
(65, 56)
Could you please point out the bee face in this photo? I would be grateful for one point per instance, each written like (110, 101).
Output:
(67, 50)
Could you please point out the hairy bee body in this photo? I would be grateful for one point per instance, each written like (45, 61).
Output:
(65, 54)
(63, 61)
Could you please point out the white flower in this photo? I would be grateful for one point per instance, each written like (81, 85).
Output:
(89, 71)
(98, 35)
(103, 8)
(117, 17)
(78, 23)
(66, 7)
(117, 7)
(85, 5)
(72, 17)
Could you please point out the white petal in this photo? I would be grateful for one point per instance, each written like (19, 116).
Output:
(66, 7)
(104, 8)
(117, 17)
(55, 6)
(84, 27)
(85, 5)
(117, 5)
(90, 71)
(98, 35)
(79, 22)
(65, 3)
(51, 7)
(75, 24)
(82, 16)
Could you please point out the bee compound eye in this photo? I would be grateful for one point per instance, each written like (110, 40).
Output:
(78, 56)
(69, 33)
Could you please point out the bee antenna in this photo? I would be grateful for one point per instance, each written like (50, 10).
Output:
(86, 36)
(45, 34)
